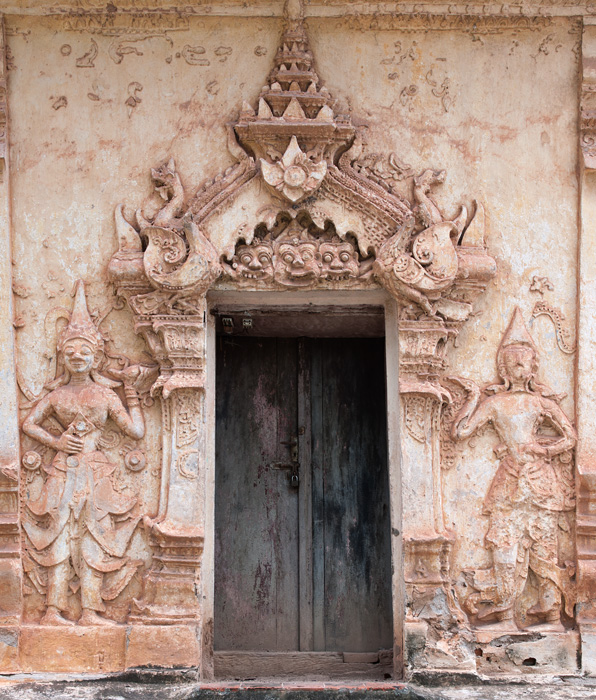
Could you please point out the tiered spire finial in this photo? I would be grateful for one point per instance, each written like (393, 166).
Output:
(294, 112)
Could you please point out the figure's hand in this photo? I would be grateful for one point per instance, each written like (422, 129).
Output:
(70, 444)
(128, 376)
(135, 376)
(468, 384)
(530, 452)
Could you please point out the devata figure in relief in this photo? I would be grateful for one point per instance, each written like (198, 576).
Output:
(79, 518)
(531, 489)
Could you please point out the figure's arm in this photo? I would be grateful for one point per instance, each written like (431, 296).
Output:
(33, 428)
(131, 422)
(473, 414)
(557, 417)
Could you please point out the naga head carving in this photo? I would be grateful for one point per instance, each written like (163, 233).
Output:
(174, 263)
(165, 179)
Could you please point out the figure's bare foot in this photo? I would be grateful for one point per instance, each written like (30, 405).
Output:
(499, 619)
(53, 617)
(90, 617)
(551, 618)
(550, 613)
(501, 613)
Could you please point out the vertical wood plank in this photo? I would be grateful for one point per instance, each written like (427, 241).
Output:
(285, 527)
(318, 505)
(305, 499)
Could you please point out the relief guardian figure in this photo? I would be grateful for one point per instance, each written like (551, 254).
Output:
(79, 519)
(532, 486)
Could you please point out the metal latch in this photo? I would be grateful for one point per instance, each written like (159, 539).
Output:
(294, 471)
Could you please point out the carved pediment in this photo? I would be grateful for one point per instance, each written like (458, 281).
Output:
(303, 163)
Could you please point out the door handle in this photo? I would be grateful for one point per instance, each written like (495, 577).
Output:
(294, 471)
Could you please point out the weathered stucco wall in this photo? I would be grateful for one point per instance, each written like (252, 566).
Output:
(96, 101)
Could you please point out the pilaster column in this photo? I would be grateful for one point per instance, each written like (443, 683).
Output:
(10, 559)
(172, 586)
(427, 543)
(165, 282)
(586, 361)
(424, 330)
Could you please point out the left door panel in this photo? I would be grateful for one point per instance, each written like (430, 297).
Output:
(256, 508)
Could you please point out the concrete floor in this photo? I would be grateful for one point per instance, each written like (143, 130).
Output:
(174, 688)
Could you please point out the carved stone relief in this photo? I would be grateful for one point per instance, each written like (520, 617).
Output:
(299, 255)
(305, 206)
(77, 518)
(531, 495)
(588, 112)
(332, 221)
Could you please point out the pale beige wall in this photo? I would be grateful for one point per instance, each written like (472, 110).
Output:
(501, 118)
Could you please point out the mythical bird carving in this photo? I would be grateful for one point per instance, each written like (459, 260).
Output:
(176, 255)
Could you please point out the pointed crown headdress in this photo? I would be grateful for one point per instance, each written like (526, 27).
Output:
(517, 333)
(81, 325)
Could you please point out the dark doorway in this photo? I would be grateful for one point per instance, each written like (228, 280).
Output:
(302, 555)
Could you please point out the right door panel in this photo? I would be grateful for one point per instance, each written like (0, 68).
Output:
(352, 608)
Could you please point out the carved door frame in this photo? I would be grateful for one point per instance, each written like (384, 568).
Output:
(269, 300)
(302, 208)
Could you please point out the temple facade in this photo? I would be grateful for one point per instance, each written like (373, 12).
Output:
(297, 362)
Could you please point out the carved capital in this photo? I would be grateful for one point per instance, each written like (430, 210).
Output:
(422, 349)
(178, 345)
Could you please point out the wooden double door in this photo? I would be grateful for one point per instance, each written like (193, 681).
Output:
(302, 558)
